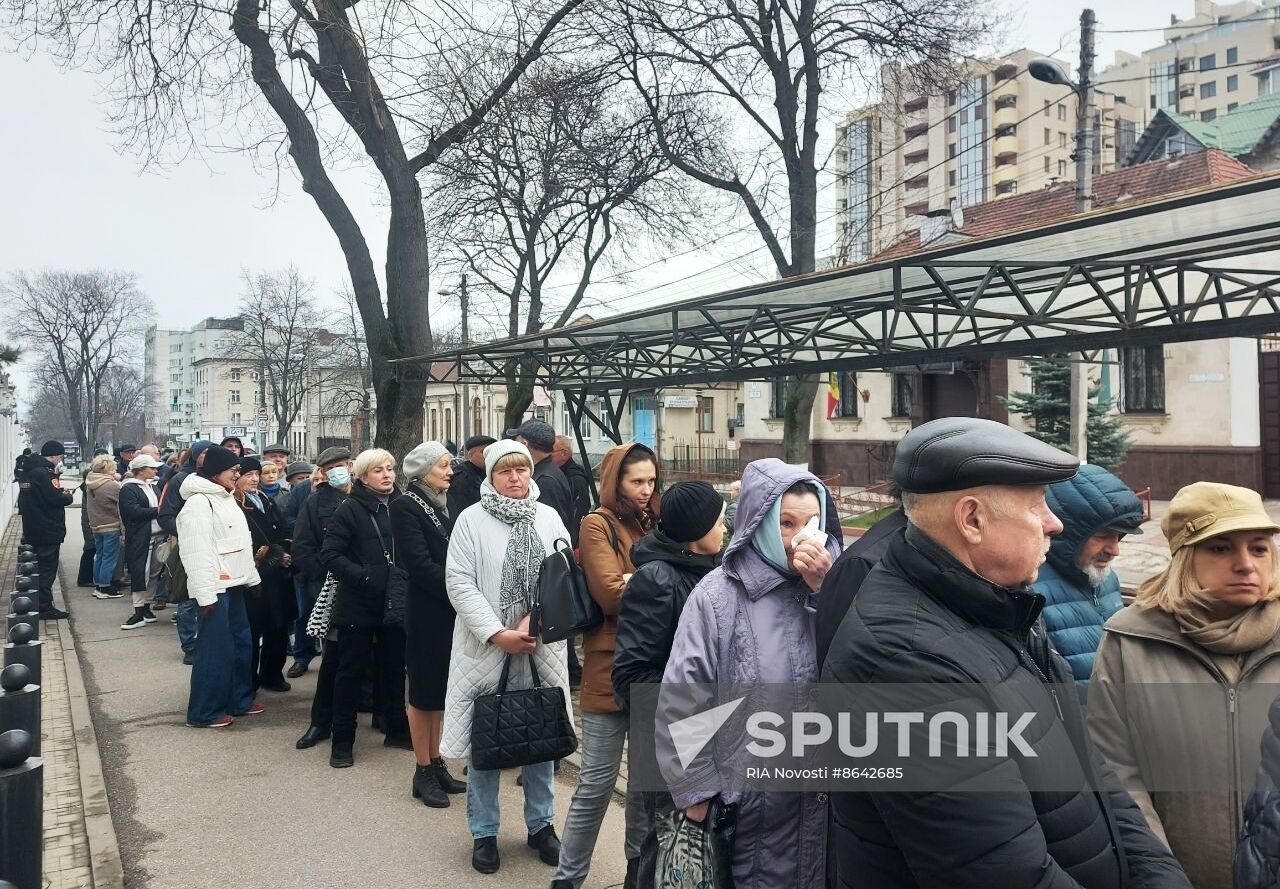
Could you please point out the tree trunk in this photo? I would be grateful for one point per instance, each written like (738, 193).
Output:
(797, 416)
(520, 381)
(797, 422)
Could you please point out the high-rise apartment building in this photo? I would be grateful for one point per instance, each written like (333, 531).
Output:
(999, 132)
(1225, 55)
(170, 359)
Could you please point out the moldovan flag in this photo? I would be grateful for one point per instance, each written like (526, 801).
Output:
(833, 394)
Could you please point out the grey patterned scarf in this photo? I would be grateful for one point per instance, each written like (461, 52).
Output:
(524, 553)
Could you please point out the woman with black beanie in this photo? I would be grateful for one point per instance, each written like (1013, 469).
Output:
(670, 562)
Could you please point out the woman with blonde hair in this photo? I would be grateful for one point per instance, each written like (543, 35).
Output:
(1184, 677)
(102, 500)
(358, 552)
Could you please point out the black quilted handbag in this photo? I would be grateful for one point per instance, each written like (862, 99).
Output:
(519, 728)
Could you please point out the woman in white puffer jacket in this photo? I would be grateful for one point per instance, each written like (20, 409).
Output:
(217, 553)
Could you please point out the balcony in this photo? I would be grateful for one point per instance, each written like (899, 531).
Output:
(919, 103)
(1007, 99)
(916, 170)
(916, 129)
(1005, 72)
(1004, 173)
(1006, 143)
(918, 209)
(916, 157)
(917, 183)
(1006, 117)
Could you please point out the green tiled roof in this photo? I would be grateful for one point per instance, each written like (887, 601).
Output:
(1241, 130)
(1204, 133)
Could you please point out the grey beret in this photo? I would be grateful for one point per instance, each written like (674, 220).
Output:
(420, 460)
(333, 455)
(298, 467)
(538, 434)
(955, 453)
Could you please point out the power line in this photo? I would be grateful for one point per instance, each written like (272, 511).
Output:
(1180, 26)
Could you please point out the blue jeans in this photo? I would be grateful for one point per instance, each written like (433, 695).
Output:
(106, 547)
(304, 646)
(220, 679)
(482, 799)
(188, 622)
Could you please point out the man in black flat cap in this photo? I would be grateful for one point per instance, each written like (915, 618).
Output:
(950, 602)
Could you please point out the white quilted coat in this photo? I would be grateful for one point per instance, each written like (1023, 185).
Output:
(473, 574)
(213, 540)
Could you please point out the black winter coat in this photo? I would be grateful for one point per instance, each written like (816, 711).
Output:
(464, 490)
(421, 549)
(136, 515)
(171, 501)
(1258, 852)
(275, 606)
(580, 488)
(665, 575)
(847, 574)
(922, 617)
(43, 507)
(553, 490)
(354, 554)
(313, 520)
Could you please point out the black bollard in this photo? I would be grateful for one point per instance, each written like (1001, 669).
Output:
(20, 703)
(21, 813)
(23, 611)
(26, 584)
(28, 569)
(24, 648)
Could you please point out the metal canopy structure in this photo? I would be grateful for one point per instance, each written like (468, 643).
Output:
(1194, 266)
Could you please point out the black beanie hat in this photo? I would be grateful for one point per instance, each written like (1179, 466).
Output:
(248, 464)
(689, 511)
(217, 460)
(52, 448)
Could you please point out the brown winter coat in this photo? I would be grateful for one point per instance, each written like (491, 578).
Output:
(603, 566)
(102, 500)
(1170, 725)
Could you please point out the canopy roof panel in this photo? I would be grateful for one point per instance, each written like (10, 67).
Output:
(1194, 266)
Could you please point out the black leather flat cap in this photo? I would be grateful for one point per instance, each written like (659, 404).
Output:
(955, 453)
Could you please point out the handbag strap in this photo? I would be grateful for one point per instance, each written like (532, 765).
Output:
(389, 556)
(431, 513)
(506, 673)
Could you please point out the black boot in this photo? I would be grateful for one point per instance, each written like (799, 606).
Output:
(448, 783)
(631, 881)
(484, 856)
(547, 844)
(426, 787)
(313, 736)
(341, 755)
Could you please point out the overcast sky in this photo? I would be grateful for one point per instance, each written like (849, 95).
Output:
(73, 201)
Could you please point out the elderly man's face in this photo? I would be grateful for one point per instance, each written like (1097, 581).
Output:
(1095, 555)
(1012, 535)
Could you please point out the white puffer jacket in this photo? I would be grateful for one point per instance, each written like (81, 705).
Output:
(213, 540)
(473, 578)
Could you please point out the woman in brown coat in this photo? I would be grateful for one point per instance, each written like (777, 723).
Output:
(628, 511)
(1184, 677)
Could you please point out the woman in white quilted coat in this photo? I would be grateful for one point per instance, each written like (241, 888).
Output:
(495, 551)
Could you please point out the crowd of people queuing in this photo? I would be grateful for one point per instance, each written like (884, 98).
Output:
(996, 568)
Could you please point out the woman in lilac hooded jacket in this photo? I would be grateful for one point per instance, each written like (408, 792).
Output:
(751, 622)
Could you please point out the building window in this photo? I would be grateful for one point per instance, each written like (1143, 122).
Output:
(1209, 90)
(584, 426)
(1062, 140)
(1048, 165)
(705, 415)
(1209, 62)
(951, 150)
(1048, 136)
(951, 124)
(1062, 168)
(1268, 81)
(435, 426)
(1047, 103)
(234, 396)
(1143, 368)
(235, 375)
(848, 406)
(778, 399)
(1209, 115)
(476, 425)
(1233, 55)
(448, 423)
(1062, 111)
(1233, 82)
(951, 178)
(901, 402)
(951, 97)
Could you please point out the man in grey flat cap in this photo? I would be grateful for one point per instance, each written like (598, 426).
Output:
(950, 602)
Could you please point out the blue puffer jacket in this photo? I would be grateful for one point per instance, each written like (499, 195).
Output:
(1074, 609)
(1258, 852)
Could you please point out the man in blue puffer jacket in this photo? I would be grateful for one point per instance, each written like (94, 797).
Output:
(1081, 590)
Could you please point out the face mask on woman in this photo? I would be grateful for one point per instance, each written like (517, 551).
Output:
(339, 476)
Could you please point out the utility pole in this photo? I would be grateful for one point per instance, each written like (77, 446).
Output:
(1084, 203)
(466, 341)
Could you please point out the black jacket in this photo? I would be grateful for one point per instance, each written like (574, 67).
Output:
(171, 501)
(275, 605)
(1258, 852)
(464, 490)
(848, 573)
(580, 489)
(309, 529)
(553, 490)
(43, 507)
(136, 515)
(354, 554)
(665, 575)
(922, 617)
(421, 550)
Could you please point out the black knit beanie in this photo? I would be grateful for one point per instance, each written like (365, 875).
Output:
(217, 460)
(689, 511)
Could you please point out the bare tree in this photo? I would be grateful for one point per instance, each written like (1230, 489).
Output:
(123, 405)
(283, 331)
(758, 74)
(80, 325)
(339, 79)
(567, 167)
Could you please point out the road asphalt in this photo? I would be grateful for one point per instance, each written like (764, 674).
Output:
(240, 808)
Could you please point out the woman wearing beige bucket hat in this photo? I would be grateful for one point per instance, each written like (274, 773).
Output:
(1184, 677)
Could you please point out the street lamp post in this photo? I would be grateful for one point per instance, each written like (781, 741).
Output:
(1049, 71)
